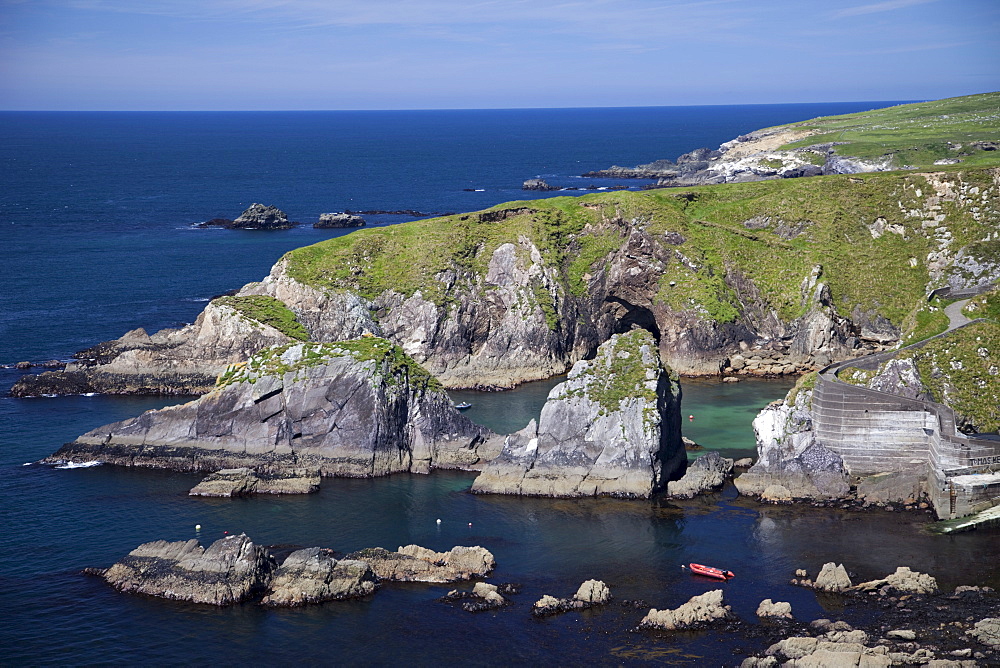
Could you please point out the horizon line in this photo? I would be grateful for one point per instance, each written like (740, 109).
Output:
(637, 106)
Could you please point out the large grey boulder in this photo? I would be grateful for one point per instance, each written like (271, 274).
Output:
(699, 611)
(354, 408)
(704, 474)
(414, 563)
(788, 455)
(231, 570)
(312, 575)
(612, 428)
(833, 577)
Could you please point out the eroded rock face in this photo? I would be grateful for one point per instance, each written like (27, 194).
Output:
(613, 428)
(788, 455)
(699, 611)
(704, 474)
(413, 563)
(312, 575)
(231, 570)
(358, 408)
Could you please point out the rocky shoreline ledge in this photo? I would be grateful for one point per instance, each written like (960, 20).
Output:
(910, 622)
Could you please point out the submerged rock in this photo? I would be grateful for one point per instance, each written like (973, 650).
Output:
(355, 408)
(612, 428)
(312, 575)
(231, 570)
(419, 564)
(245, 481)
(699, 611)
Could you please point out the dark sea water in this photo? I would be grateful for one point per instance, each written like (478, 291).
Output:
(95, 229)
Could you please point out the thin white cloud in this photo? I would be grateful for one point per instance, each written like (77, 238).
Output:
(878, 7)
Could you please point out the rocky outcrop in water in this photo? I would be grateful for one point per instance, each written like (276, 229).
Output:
(356, 408)
(904, 581)
(591, 593)
(788, 456)
(313, 575)
(231, 570)
(262, 217)
(612, 428)
(413, 563)
(704, 474)
(702, 610)
(245, 481)
(537, 184)
(339, 220)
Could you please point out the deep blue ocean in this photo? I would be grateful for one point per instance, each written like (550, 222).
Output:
(96, 215)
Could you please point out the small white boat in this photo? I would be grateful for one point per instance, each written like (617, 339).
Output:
(462, 406)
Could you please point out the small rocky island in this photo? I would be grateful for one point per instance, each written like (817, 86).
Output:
(255, 217)
(357, 408)
(233, 569)
(612, 429)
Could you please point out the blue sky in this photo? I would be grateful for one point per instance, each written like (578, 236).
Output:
(414, 54)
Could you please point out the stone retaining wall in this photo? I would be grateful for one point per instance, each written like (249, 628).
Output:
(877, 432)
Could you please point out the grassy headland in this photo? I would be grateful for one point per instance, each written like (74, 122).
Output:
(913, 135)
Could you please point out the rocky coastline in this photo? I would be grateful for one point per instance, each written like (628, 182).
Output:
(273, 415)
(908, 620)
(755, 156)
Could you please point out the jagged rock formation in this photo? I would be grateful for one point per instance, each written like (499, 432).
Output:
(245, 481)
(833, 577)
(590, 594)
(312, 575)
(700, 611)
(356, 408)
(612, 428)
(413, 563)
(704, 474)
(338, 220)
(231, 570)
(789, 457)
(262, 217)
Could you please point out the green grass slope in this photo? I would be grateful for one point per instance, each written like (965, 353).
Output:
(871, 236)
(915, 135)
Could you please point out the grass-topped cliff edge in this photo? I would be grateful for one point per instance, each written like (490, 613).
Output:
(880, 241)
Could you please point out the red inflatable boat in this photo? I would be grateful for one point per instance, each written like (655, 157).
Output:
(711, 572)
